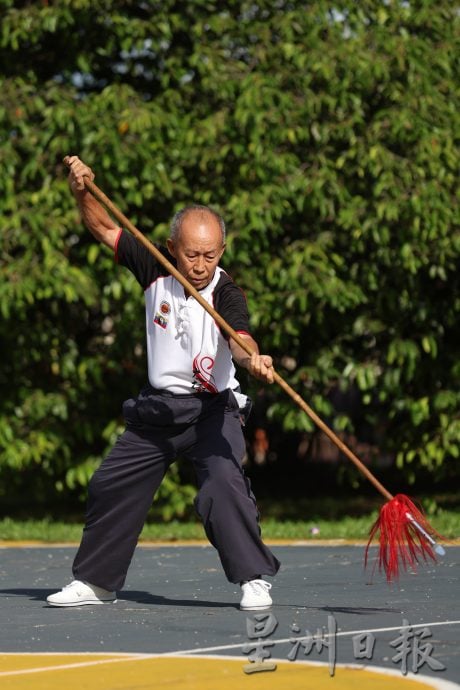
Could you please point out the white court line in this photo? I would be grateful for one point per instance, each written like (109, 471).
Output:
(342, 633)
(82, 664)
(126, 656)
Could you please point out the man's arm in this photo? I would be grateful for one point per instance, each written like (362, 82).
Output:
(259, 366)
(94, 216)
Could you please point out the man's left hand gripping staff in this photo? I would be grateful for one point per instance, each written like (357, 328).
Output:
(261, 367)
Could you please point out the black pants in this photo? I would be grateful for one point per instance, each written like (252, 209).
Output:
(203, 428)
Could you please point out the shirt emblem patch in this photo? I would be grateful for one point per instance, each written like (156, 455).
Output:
(160, 320)
(165, 307)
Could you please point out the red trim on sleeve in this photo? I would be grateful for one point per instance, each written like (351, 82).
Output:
(115, 249)
(227, 337)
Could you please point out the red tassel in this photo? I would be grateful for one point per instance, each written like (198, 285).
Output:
(401, 543)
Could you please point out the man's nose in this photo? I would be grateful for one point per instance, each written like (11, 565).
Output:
(199, 265)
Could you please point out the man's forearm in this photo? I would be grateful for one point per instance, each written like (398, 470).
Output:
(239, 355)
(260, 366)
(96, 218)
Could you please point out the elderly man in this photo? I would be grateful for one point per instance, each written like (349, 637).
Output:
(192, 406)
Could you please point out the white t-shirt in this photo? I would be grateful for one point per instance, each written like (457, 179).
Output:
(186, 350)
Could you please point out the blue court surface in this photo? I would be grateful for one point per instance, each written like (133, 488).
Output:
(177, 602)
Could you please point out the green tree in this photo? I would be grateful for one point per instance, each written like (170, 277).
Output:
(326, 133)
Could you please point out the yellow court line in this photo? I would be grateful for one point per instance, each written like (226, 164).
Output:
(203, 673)
(5, 544)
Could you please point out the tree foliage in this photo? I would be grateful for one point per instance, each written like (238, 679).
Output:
(327, 135)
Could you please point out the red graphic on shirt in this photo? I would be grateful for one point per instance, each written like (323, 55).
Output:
(203, 380)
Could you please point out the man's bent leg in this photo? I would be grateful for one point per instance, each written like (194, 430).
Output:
(225, 501)
(120, 495)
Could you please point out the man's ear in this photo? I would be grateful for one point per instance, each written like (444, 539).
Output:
(171, 248)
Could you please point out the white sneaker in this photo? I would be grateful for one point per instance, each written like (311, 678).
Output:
(255, 595)
(79, 593)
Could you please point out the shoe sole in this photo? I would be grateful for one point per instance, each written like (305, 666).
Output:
(255, 608)
(88, 602)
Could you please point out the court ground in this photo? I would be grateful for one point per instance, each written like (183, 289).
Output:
(177, 624)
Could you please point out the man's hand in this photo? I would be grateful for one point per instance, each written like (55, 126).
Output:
(261, 366)
(78, 171)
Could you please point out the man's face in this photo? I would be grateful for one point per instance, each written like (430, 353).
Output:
(198, 248)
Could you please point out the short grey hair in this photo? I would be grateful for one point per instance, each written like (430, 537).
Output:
(178, 218)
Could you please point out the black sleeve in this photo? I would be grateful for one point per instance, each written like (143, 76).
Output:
(132, 254)
(230, 303)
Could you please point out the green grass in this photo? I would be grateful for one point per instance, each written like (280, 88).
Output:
(446, 522)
